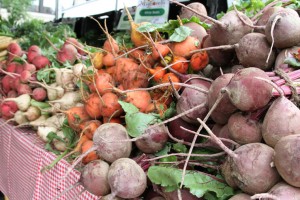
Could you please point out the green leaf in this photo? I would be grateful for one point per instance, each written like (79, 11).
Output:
(137, 122)
(148, 27)
(180, 34)
(165, 150)
(170, 112)
(180, 148)
(198, 183)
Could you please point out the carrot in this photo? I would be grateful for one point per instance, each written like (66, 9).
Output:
(173, 78)
(130, 74)
(160, 96)
(111, 45)
(158, 72)
(76, 116)
(112, 120)
(183, 48)
(179, 64)
(104, 82)
(140, 98)
(111, 106)
(159, 108)
(159, 48)
(141, 56)
(199, 60)
(81, 140)
(92, 155)
(89, 127)
(93, 106)
(111, 70)
(108, 59)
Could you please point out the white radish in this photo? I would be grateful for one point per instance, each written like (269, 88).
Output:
(79, 69)
(22, 101)
(32, 113)
(69, 100)
(60, 145)
(20, 118)
(55, 121)
(43, 132)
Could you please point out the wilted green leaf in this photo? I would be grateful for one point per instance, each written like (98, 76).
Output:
(180, 34)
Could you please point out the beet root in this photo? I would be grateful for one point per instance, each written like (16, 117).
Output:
(287, 160)
(243, 129)
(281, 119)
(126, 178)
(248, 93)
(283, 190)
(94, 177)
(225, 108)
(251, 168)
(153, 139)
(241, 196)
(108, 133)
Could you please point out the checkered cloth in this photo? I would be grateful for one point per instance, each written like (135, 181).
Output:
(22, 157)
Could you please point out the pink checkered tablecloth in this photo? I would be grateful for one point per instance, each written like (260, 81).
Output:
(22, 157)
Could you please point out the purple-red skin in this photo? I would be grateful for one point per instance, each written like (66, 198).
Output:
(12, 94)
(24, 89)
(177, 132)
(94, 177)
(225, 108)
(16, 49)
(41, 62)
(7, 83)
(25, 76)
(281, 119)
(67, 53)
(153, 139)
(8, 109)
(32, 52)
(286, 159)
(248, 93)
(29, 67)
(39, 94)
(189, 99)
(243, 129)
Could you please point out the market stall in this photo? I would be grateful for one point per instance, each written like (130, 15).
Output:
(22, 158)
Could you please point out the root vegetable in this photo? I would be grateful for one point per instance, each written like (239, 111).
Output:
(153, 139)
(41, 62)
(126, 178)
(39, 94)
(197, 6)
(58, 144)
(92, 155)
(22, 101)
(281, 119)
(185, 47)
(241, 196)
(32, 113)
(140, 99)
(111, 106)
(225, 108)
(93, 106)
(43, 132)
(244, 162)
(286, 159)
(67, 53)
(75, 116)
(68, 100)
(243, 129)
(94, 177)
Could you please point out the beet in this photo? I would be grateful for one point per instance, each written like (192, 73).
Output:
(248, 93)
(243, 129)
(286, 159)
(281, 119)
(177, 132)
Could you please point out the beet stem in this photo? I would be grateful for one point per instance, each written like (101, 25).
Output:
(220, 96)
(264, 196)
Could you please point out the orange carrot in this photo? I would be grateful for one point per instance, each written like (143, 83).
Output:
(111, 106)
(185, 47)
(89, 127)
(199, 60)
(76, 116)
(140, 98)
(173, 78)
(112, 120)
(158, 72)
(108, 59)
(111, 45)
(179, 64)
(93, 106)
(91, 156)
(162, 48)
(104, 82)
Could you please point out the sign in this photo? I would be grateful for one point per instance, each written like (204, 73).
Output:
(154, 11)
(124, 22)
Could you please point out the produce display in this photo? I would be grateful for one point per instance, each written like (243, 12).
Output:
(197, 108)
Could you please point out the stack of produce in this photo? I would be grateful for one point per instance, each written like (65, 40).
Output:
(173, 114)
